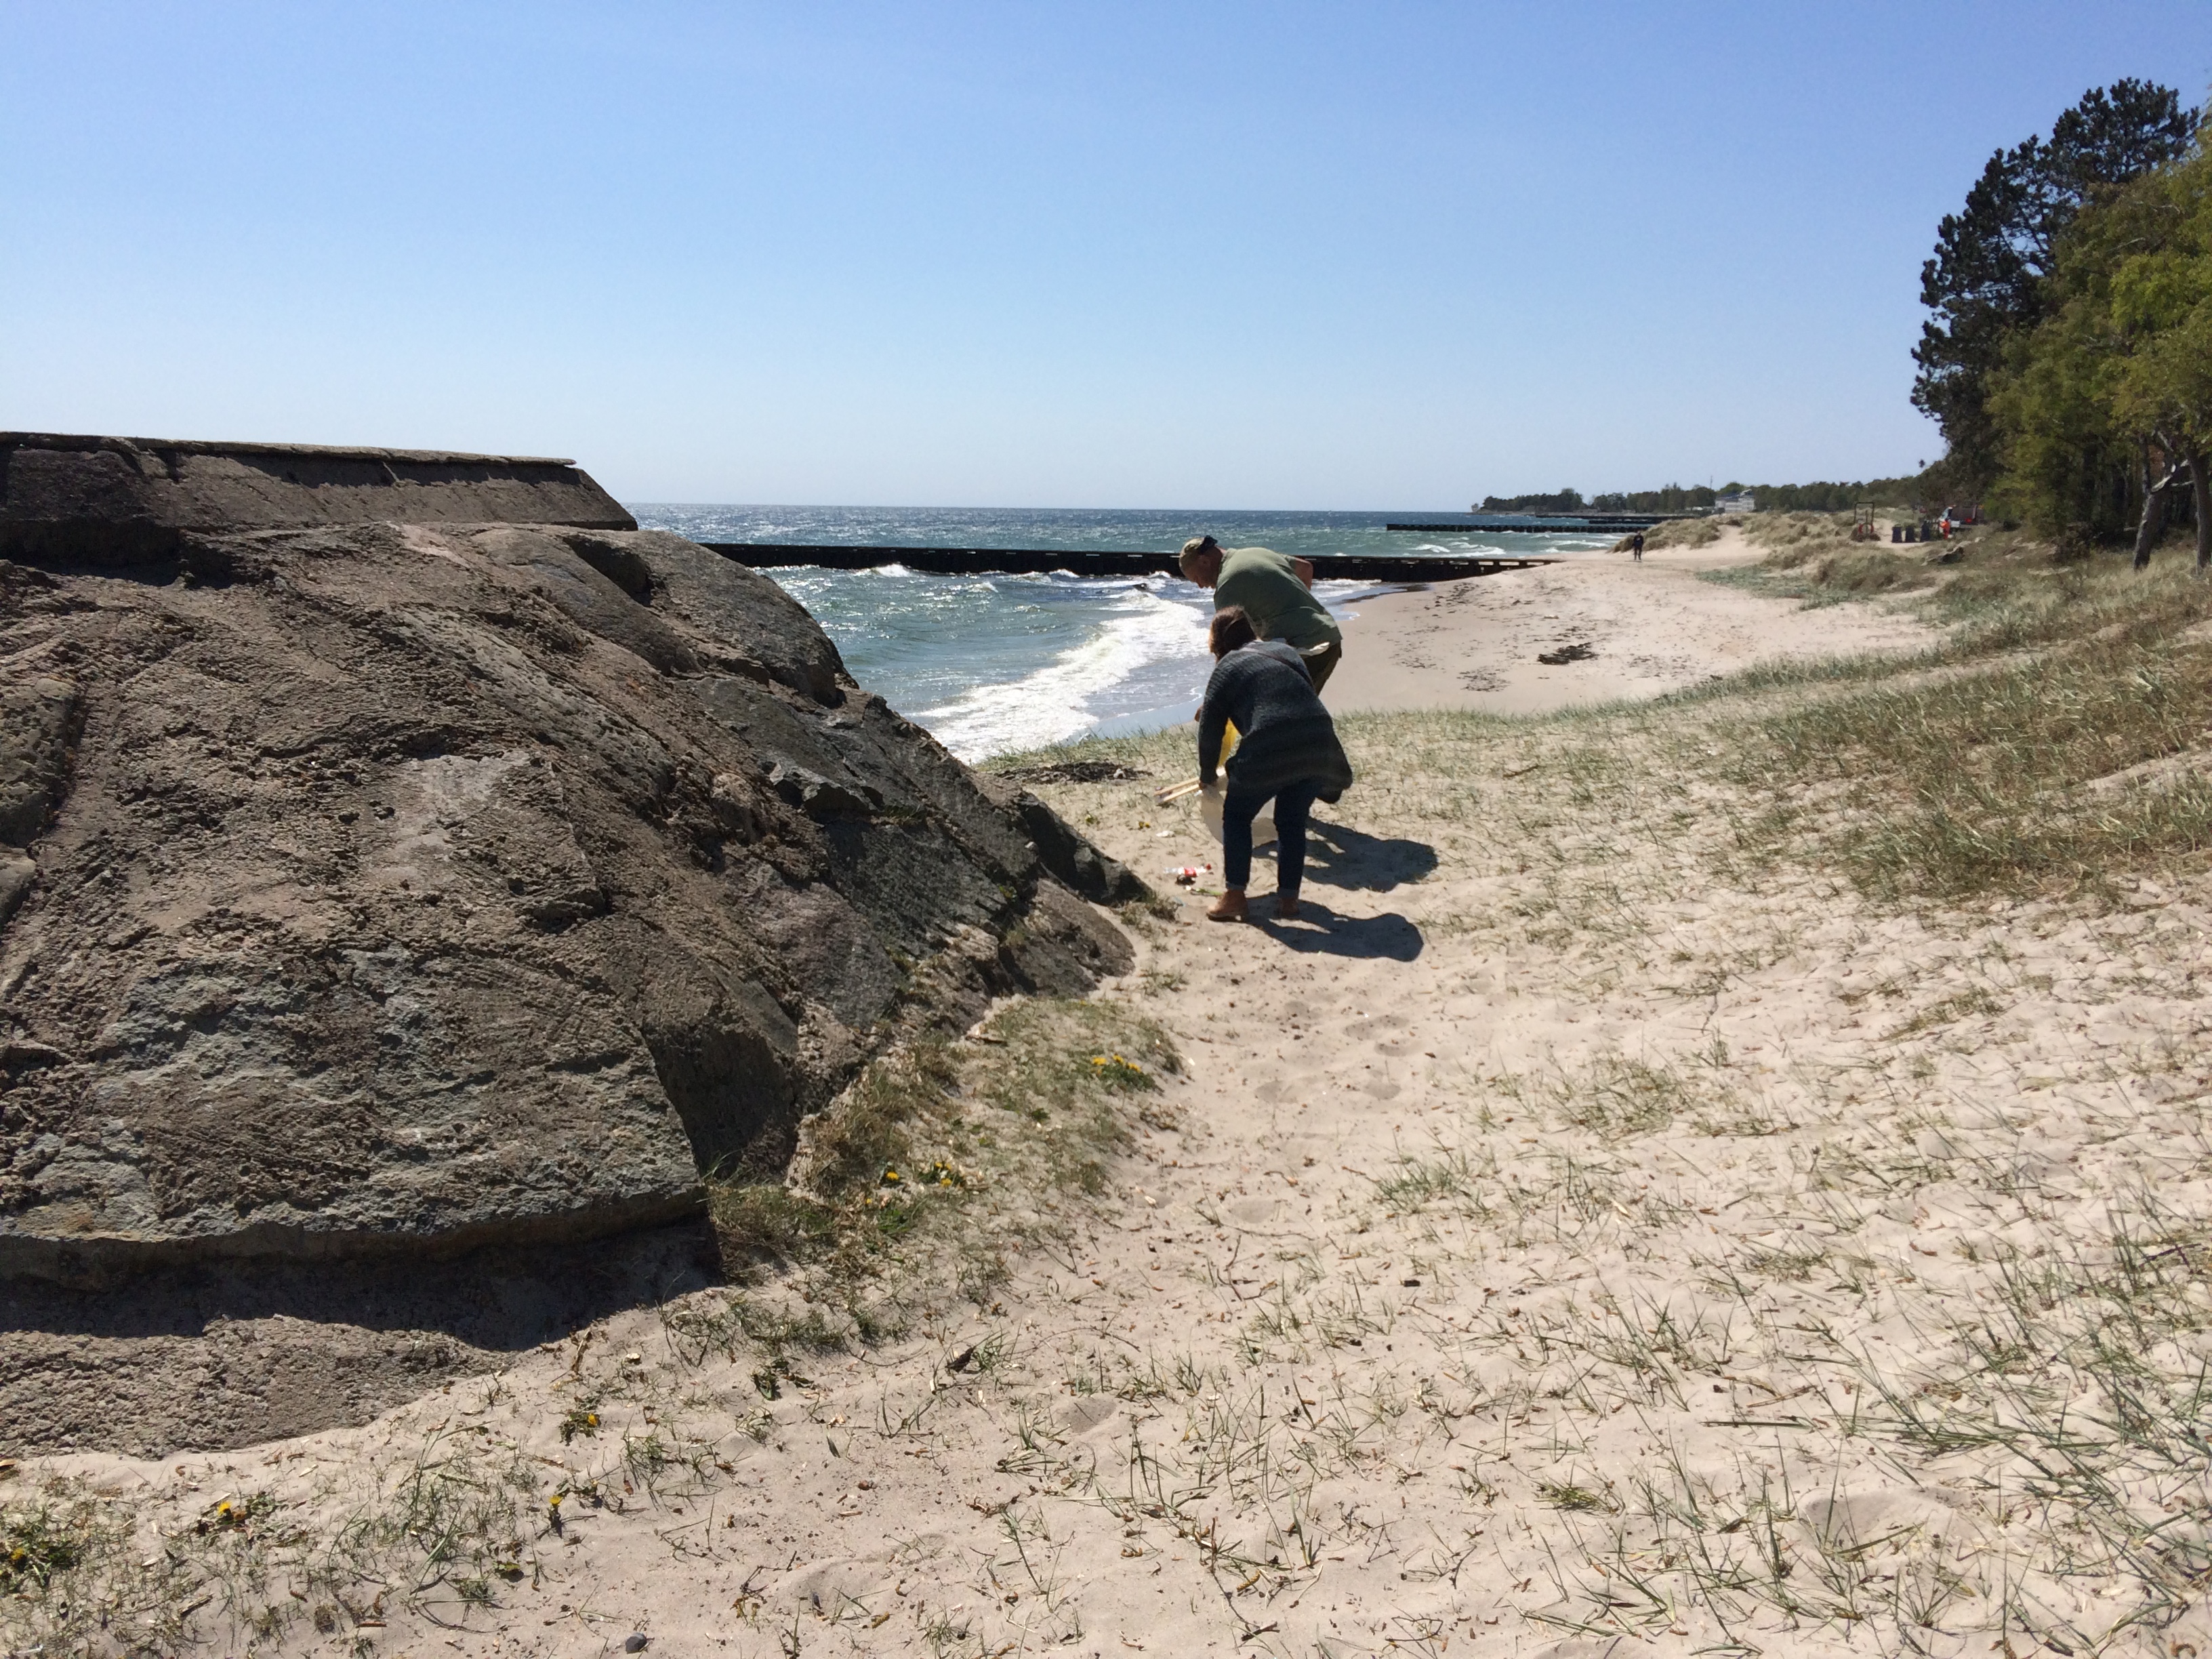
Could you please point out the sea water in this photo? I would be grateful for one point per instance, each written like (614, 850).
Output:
(991, 663)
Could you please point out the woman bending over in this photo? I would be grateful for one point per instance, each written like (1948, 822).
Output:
(1287, 749)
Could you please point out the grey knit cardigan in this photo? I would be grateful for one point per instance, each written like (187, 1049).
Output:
(1286, 736)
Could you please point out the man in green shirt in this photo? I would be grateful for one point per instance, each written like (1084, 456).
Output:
(1276, 591)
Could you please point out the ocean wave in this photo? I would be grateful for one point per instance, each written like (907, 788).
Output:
(1059, 700)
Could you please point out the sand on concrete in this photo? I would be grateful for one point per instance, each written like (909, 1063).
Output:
(1648, 627)
(1568, 1243)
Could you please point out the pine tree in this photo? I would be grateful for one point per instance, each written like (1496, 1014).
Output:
(1989, 280)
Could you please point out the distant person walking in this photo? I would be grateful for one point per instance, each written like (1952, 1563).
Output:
(1635, 546)
(1275, 594)
(1286, 749)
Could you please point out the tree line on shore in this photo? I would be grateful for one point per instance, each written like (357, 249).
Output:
(1679, 498)
(2068, 358)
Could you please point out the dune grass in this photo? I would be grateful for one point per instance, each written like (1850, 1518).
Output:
(2012, 774)
(1688, 532)
(2041, 749)
(1812, 558)
(937, 1162)
(1976, 785)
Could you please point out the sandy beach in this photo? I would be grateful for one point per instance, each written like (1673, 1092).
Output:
(1647, 628)
(1574, 1239)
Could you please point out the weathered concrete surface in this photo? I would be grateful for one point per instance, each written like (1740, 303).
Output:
(126, 501)
(411, 888)
(37, 729)
(1064, 850)
(233, 1353)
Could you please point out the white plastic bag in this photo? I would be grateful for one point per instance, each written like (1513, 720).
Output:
(1209, 808)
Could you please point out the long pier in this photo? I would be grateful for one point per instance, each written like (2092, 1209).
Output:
(1013, 561)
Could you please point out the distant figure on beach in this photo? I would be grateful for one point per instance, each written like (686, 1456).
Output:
(1286, 749)
(1635, 546)
(1275, 594)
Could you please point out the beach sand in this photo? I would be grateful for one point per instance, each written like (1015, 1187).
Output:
(1650, 628)
(1573, 1239)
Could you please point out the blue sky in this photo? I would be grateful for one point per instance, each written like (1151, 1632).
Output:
(1042, 254)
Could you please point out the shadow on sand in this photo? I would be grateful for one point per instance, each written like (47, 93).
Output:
(225, 1354)
(1319, 931)
(1339, 857)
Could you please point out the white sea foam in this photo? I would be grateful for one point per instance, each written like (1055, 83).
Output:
(994, 662)
(1061, 699)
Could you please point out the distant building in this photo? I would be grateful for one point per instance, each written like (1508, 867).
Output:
(1743, 501)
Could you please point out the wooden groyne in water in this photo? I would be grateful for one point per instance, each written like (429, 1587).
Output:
(1014, 560)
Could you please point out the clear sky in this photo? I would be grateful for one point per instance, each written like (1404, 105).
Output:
(1198, 253)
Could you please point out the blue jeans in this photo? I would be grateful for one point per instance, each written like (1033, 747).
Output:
(1292, 803)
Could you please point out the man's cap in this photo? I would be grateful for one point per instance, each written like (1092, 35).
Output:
(1192, 549)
